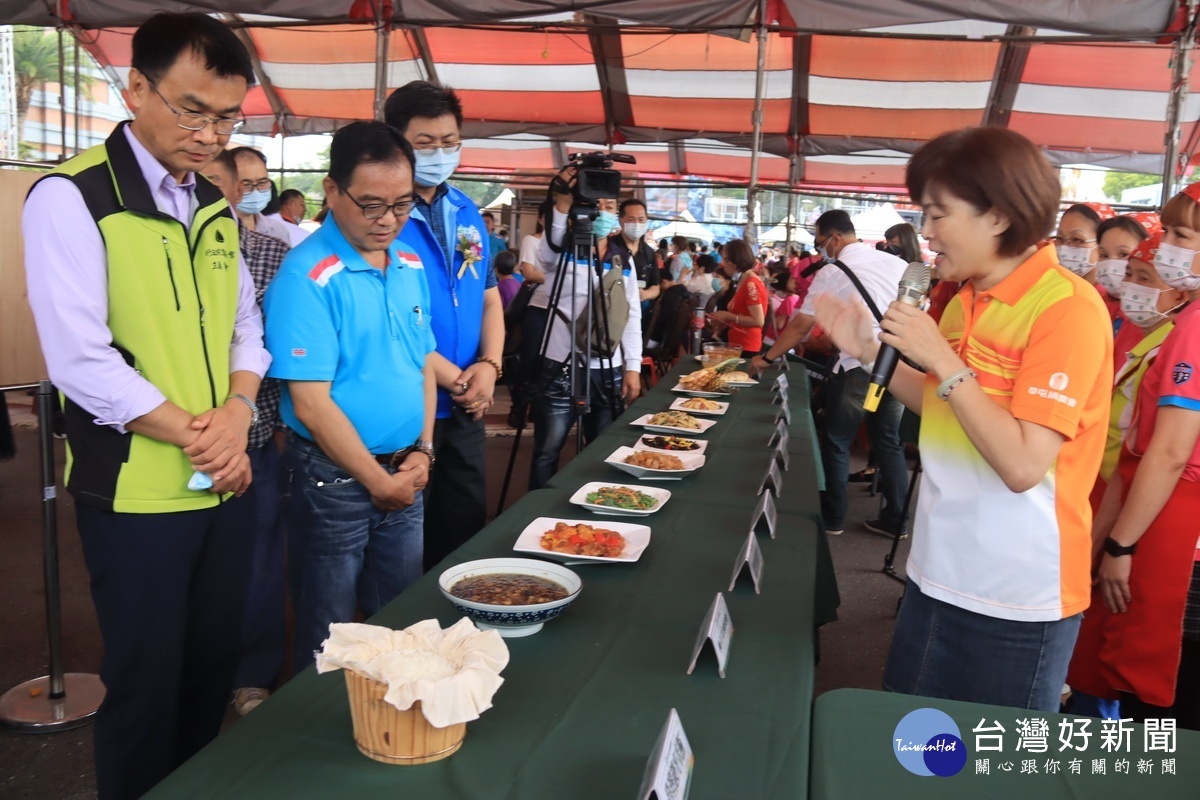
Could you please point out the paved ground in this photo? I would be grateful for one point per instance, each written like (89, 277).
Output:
(59, 766)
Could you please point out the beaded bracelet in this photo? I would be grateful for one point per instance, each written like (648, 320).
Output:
(494, 365)
(951, 383)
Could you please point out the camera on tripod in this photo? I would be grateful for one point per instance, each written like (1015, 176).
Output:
(595, 179)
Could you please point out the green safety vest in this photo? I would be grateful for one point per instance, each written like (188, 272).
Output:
(172, 302)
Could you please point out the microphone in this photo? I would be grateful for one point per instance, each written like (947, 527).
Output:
(914, 285)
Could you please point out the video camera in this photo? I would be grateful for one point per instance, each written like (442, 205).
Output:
(595, 177)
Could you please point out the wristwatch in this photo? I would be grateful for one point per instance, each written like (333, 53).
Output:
(424, 446)
(1114, 549)
(249, 404)
(763, 356)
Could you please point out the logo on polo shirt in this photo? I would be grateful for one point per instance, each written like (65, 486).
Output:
(1181, 373)
(927, 742)
(299, 352)
(1058, 381)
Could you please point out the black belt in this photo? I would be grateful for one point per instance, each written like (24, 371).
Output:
(394, 459)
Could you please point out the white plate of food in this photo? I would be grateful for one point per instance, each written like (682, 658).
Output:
(583, 541)
(703, 359)
(699, 405)
(672, 444)
(620, 500)
(654, 465)
(674, 422)
(738, 379)
(679, 387)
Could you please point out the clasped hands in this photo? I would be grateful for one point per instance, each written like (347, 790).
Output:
(392, 492)
(478, 383)
(218, 447)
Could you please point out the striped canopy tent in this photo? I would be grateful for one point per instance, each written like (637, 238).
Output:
(818, 94)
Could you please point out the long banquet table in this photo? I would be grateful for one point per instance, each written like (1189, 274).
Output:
(584, 699)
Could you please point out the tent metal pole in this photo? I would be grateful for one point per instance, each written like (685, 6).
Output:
(62, 94)
(78, 105)
(757, 120)
(383, 31)
(791, 205)
(1180, 67)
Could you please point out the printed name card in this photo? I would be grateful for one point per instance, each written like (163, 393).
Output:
(750, 554)
(781, 396)
(773, 478)
(782, 454)
(784, 364)
(765, 511)
(785, 413)
(668, 773)
(717, 628)
(780, 433)
(781, 382)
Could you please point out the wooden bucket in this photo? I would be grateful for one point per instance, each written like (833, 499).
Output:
(386, 734)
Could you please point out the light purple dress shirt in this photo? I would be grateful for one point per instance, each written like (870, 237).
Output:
(66, 270)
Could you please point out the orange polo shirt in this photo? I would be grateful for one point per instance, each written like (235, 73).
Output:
(1040, 342)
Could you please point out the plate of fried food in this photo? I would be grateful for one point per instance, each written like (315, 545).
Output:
(654, 465)
(738, 379)
(581, 541)
(619, 500)
(673, 422)
(699, 405)
(672, 444)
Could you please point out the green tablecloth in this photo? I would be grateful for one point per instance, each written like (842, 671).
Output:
(853, 756)
(583, 700)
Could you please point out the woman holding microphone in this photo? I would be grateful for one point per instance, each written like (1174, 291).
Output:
(1014, 409)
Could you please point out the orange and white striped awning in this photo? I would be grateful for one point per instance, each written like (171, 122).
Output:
(848, 94)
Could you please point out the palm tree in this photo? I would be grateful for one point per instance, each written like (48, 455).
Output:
(35, 59)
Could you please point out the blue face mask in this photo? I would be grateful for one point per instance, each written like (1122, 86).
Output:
(435, 167)
(716, 284)
(604, 224)
(254, 202)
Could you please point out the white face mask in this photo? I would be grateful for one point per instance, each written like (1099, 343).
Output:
(1140, 304)
(634, 230)
(1174, 267)
(1110, 273)
(1075, 258)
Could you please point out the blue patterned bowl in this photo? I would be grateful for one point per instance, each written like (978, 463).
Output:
(511, 621)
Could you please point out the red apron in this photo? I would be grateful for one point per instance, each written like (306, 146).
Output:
(1139, 651)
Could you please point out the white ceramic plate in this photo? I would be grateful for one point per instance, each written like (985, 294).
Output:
(704, 359)
(694, 393)
(642, 444)
(644, 422)
(690, 465)
(580, 499)
(742, 384)
(637, 537)
(678, 405)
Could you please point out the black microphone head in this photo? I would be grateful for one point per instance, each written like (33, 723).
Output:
(914, 283)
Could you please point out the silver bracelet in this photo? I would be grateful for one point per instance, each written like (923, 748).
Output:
(250, 404)
(951, 383)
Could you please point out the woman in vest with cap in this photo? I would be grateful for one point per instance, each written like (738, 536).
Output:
(1141, 640)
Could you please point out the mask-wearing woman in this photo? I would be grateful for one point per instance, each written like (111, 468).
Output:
(1141, 639)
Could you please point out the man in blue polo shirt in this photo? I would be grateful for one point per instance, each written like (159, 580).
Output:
(449, 235)
(348, 320)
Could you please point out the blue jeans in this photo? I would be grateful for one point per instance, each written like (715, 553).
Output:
(263, 635)
(553, 417)
(343, 552)
(940, 650)
(843, 413)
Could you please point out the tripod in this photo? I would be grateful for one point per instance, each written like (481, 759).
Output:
(579, 247)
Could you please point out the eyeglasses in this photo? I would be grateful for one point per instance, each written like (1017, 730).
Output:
(377, 210)
(446, 149)
(195, 121)
(261, 185)
(1073, 241)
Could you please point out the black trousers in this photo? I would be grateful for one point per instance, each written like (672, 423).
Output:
(456, 498)
(169, 591)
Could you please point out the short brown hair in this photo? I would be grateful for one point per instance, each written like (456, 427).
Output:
(1181, 211)
(992, 168)
(740, 254)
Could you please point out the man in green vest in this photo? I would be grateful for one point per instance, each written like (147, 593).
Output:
(149, 328)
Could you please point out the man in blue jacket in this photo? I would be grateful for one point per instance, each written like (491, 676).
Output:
(448, 233)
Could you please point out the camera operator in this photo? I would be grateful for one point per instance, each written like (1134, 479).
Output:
(552, 390)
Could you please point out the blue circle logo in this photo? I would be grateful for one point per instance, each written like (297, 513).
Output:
(927, 742)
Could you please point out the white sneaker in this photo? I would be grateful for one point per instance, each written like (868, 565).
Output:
(247, 699)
